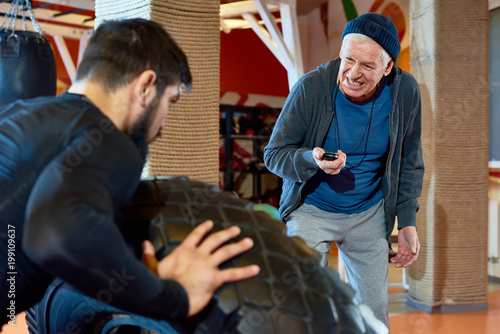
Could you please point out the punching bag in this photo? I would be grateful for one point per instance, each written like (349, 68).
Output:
(27, 66)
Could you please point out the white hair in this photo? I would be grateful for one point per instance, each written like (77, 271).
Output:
(360, 38)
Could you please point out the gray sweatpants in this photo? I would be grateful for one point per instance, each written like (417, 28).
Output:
(361, 241)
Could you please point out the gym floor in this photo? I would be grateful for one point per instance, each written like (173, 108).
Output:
(403, 318)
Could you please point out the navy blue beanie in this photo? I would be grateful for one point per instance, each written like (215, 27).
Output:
(378, 27)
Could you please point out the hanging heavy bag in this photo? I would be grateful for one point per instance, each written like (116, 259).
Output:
(27, 66)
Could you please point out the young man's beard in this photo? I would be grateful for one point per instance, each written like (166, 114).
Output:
(139, 131)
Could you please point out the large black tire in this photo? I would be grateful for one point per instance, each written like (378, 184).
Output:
(292, 293)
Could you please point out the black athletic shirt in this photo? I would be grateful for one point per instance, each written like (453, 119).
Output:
(65, 171)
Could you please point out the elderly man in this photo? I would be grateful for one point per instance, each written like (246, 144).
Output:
(347, 145)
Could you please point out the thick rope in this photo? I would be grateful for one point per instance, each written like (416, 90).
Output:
(189, 145)
(452, 70)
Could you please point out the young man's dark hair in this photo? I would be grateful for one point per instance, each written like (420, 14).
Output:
(121, 50)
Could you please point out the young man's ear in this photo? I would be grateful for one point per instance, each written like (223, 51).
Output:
(145, 87)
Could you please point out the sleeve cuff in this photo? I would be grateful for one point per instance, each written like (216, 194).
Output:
(177, 303)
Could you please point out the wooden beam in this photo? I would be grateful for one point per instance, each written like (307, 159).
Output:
(275, 33)
(83, 4)
(290, 27)
(265, 37)
(492, 4)
(66, 57)
(52, 16)
(57, 29)
(285, 46)
(235, 9)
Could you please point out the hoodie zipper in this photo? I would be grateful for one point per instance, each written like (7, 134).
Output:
(388, 180)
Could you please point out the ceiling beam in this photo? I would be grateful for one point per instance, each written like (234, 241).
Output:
(235, 9)
(52, 16)
(57, 29)
(283, 43)
(66, 57)
(83, 4)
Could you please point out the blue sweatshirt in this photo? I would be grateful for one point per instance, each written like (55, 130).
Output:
(361, 131)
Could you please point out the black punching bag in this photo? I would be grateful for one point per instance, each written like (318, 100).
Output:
(27, 66)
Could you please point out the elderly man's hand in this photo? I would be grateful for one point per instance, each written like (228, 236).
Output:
(329, 167)
(408, 247)
(195, 263)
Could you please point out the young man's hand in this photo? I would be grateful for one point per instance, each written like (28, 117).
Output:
(195, 263)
